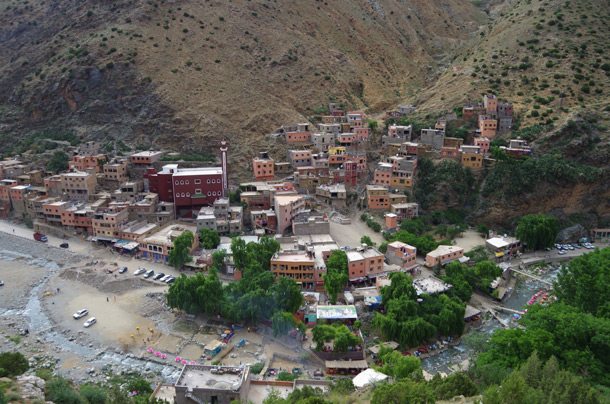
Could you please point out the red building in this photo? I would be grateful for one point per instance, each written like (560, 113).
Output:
(186, 187)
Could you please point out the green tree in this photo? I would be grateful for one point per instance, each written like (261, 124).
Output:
(179, 254)
(585, 283)
(404, 391)
(367, 240)
(336, 276)
(287, 295)
(400, 367)
(537, 231)
(239, 252)
(282, 322)
(13, 364)
(58, 162)
(456, 384)
(373, 125)
(218, 259)
(209, 238)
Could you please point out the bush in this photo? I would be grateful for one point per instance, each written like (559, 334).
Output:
(93, 394)
(60, 391)
(257, 368)
(285, 376)
(12, 364)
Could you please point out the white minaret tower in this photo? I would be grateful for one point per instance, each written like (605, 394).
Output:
(223, 160)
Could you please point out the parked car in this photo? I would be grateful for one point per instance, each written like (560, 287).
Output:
(158, 276)
(1, 283)
(318, 373)
(149, 273)
(165, 278)
(561, 252)
(123, 270)
(81, 313)
(64, 245)
(139, 271)
(40, 237)
(90, 321)
(170, 280)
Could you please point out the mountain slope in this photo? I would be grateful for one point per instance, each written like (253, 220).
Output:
(186, 73)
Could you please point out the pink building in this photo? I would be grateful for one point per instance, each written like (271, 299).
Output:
(87, 163)
(401, 254)
(263, 167)
(483, 143)
(364, 263)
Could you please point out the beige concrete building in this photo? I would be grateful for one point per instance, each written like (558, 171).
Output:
(157, 246)
(296, 265)
(78, 186)
(364, 263)
(444, 254)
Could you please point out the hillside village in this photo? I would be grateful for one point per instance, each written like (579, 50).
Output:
(328, 198)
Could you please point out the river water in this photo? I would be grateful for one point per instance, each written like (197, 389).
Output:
(39, 324)
(449, 360)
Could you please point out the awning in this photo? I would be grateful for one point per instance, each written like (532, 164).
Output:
(499, 254)
(128, 246)
(106, 239)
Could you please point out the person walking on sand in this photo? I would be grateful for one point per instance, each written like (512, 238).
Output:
(108, 300)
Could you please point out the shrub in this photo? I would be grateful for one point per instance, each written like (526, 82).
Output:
(60, 391)
(93, 394)
(12, 364)
(285, 376)
(257, 368)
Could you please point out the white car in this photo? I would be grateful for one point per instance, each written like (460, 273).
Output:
(139, 271)
(165, 278)
(90, 321)
(81, 313)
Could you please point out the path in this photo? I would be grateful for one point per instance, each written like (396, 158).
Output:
(531, 276)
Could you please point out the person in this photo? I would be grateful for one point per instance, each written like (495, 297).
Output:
(108, 300)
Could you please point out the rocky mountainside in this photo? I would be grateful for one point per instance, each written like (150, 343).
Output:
(185, 73)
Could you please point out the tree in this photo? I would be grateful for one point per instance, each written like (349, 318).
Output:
(405, 391)
(367, 240)
(456, 384)
(12, 364)
(373, 125)
(585, 283)
(209, 238)
(287, 295)
(537, 231)
(179, 254)
(400, 367)
(58, 162)
(336, 274)
(218, 259)
(239, 252)
(282, 322)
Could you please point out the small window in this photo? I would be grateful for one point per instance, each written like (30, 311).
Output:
(208, 180)
(209, 193)
(197, 181)
(198, 190)
(188, 194)
(181, 182)
(177, 194)
(176, 182)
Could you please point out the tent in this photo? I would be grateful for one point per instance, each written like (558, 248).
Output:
(369, 376)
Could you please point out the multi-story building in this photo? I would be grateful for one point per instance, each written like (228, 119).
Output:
(334, 195)
(364, 263)
(488, 126)
(472, 157)
(299, 133)
(78, 218)
(53, 211)
(377, 197)
(298, 266)
(322, 141)
(145, 158)
(78, 185)
(107, 224)
(53, 185)
(356, 119)
(433, 138)
(136, 230)
(222, 217)
(87, 163)
(397, 134)
(157, 246)
(405, 210)
(18, 200)
(11, 169)
(490, 102)
(263, 167)
(299, 158)
(483, 143)
(187, 188)
(212, 384)
(331, 128)
(286, 208)
(264, 221)
(401, 254)
(444, 254)
(383, 174)
(308, 224)
(116, 171)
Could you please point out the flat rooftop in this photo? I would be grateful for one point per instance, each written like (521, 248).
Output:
(198, 171)
(444, 249)
(292, 257)
(338, 312)
(166, 234)
(212, 377)
(149, 153)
